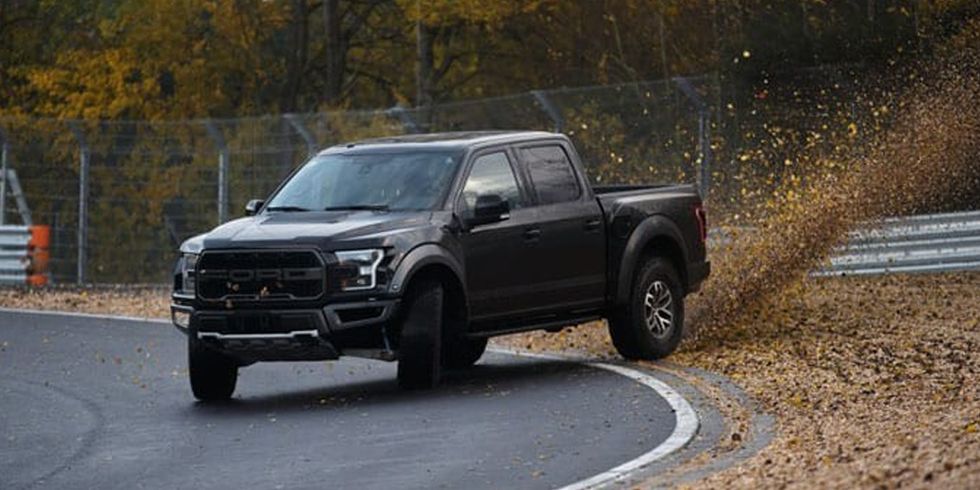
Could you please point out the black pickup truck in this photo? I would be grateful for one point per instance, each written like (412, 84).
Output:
(418, 248)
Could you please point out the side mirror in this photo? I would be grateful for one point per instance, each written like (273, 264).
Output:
(253, 207)
(489, 208)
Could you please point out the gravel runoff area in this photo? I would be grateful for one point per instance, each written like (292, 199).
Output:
(875, 382)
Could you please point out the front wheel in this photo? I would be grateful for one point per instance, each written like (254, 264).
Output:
(213, 375)
(461, 352)
(419, 346)
(650, 326)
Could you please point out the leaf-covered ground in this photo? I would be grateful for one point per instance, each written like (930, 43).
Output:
(142, 302)
(875, 382)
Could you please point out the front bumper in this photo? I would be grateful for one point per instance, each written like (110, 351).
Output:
(251, 335)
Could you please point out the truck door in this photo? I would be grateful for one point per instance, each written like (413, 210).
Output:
(497, 263)
(570, 256)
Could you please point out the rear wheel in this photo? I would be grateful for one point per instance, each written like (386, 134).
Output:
(213, 375)
(650, 326)
(419, 346)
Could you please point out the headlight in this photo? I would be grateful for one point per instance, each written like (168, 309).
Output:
(358, 269)
(188, 281)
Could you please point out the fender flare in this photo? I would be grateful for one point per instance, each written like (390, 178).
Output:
(651, 228)
(419, 257)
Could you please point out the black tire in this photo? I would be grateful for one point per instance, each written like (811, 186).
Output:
(631, 333)
(459, 352)
(213, 375)
(419, 347)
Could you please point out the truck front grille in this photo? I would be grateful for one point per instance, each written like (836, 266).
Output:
(260, 275)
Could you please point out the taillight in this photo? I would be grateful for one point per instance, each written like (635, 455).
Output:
(702, 220)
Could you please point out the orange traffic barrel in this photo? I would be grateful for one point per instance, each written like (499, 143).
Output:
(39, 253)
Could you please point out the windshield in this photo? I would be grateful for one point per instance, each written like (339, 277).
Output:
(378, 181)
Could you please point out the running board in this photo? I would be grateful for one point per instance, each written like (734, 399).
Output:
(557, 324)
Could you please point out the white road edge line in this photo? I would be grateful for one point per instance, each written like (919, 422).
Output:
(685, 428)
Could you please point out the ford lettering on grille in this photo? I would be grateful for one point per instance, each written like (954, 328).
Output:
(260, 275)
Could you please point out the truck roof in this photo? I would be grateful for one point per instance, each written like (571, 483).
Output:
(451, 140)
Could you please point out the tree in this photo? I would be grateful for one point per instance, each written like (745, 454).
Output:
(449, 38)
(159, 59)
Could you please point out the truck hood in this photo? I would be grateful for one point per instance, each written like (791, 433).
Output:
(323, 230)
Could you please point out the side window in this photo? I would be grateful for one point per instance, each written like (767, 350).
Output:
(491, 174)
(551, 173)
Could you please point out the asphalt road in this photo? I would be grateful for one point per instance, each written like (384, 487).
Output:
(100, 403)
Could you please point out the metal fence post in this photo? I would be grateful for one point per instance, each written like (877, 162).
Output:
(704, 132)
(704, 135)
(550, 109)
(219, 141)
(80, 276)
(3, 176)
(294, 121)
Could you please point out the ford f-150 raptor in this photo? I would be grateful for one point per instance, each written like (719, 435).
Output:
(418, 248)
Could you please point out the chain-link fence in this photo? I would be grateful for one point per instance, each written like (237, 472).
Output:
(120, 196)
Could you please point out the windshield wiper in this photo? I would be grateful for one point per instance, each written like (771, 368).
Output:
(288, 209)
(358, 207)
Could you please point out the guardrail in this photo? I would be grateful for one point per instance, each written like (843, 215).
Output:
(24, 253)
(924, 243)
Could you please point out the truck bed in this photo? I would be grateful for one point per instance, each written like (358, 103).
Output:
(667, 199)
(672, 206)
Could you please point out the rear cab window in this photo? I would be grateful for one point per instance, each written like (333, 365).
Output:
(550, 170)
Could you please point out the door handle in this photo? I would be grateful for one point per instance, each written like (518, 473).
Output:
(592, 225)
(532, 234)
